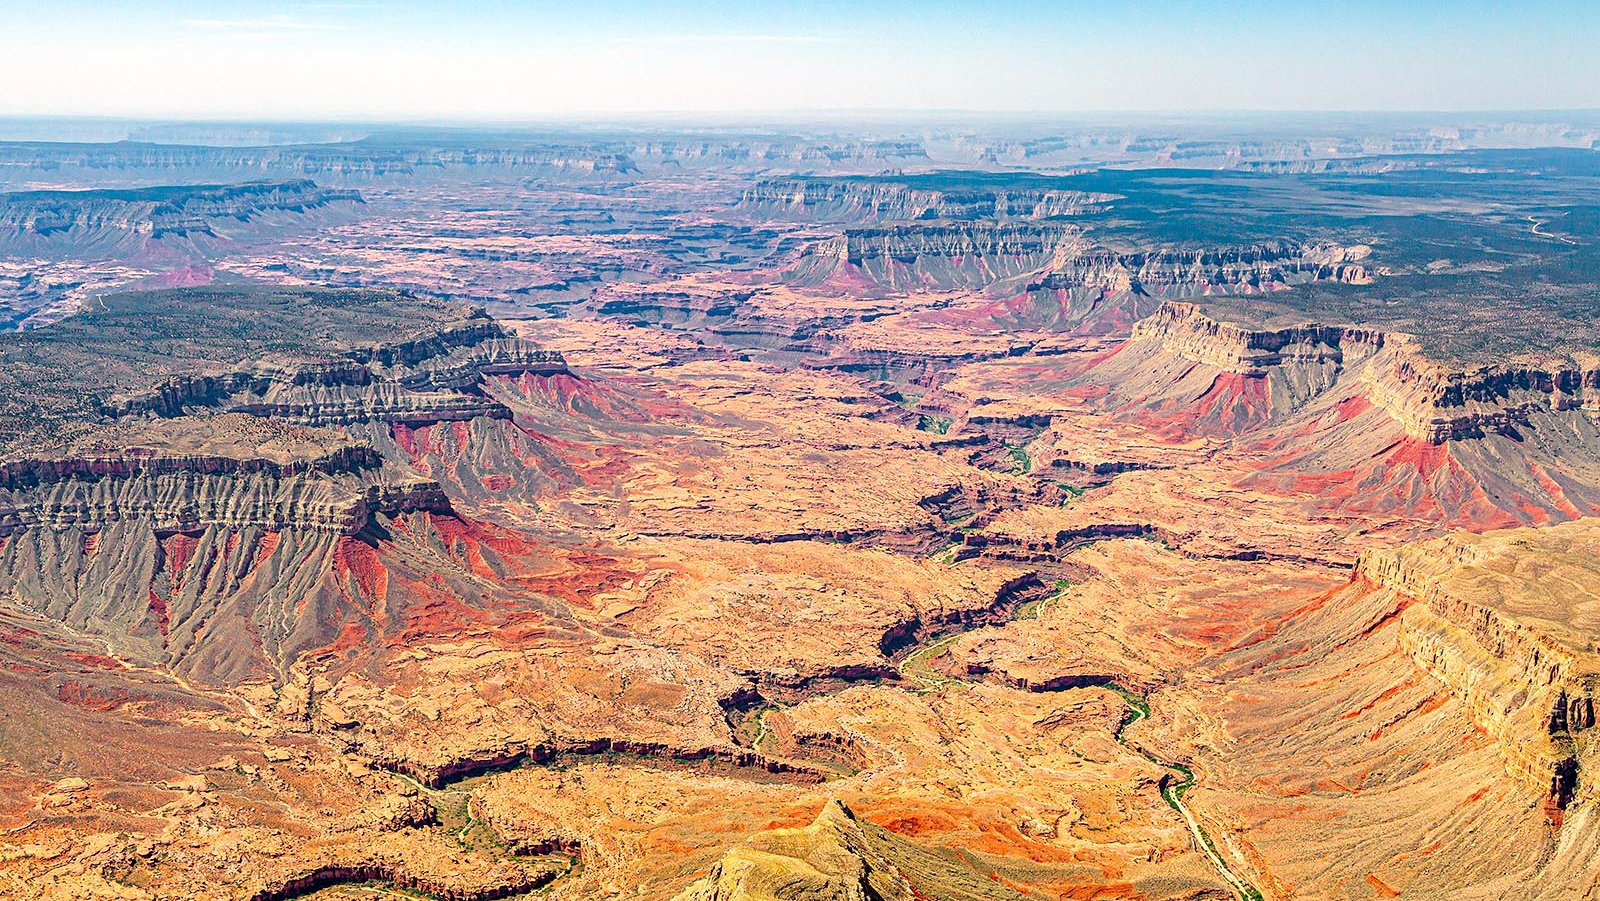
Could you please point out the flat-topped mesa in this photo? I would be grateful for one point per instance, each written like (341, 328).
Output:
(472, 329)
(1505, 620)
(1055, 264)
(423, 380)
(379, 402)
(168, 429)
(190, 500)
(859, 245)
(1244, 269)
(124, 220)
(1439, 405)
(229, 470)
(950, 256)
(33, 472)
(856, 199)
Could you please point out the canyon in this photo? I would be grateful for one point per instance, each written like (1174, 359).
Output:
(849, 514)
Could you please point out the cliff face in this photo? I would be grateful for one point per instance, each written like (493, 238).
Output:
(382, 157)
(1440, 405)
(864, 200)
(1359, 421)
(1104, 292)
(112, 223)
(1504, 620)
(222, 519)
(1432, 403)
(1183, 329)
(1052, 277)
(932, 257)
(337, 491)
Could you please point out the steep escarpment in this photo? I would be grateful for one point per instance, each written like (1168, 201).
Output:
(1439, 404)
(338, 490)
(163, 353)
(394, 154)
(1434, 403)
(192, 218)
(180, 479)
(1051, 275)
(932, 256)
(1506, 620)
(940, 257)
(1360, 420)
(1104, 292)
(876, 200)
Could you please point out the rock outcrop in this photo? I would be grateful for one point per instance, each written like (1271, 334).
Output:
(115, 223)
(203, 505)
(1052, 276)
(1433, 403)
(1504, 619)
(877, 200)
(830, 860)
(934, 257)
(1104, 292)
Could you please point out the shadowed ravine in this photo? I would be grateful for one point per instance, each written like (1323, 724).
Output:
(919, 675)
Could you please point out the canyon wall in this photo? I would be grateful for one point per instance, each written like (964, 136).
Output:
(115, 223)
(1433, 403)
(863, 200)
(1493, 617)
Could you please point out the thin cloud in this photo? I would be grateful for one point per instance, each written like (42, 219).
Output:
(271, 25)
(731, 39)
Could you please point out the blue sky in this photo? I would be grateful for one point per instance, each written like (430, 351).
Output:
(494, 59)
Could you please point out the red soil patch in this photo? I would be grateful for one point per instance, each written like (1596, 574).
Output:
(158, 606)
(93, 661)
(1384, 889)
(88, 697)
(358, 562)
(179, 549)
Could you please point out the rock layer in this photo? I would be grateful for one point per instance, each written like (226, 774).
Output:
(1506, 620)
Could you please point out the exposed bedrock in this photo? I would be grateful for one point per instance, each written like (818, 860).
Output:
(934, 256)
(225, 522)
(427, 379)
(1433, 403)
(501, 882)
(1221, 270)
(837, 858)
(1061, 279)
(115, 222)
(1502, 632)
(513, 755)
(901, 639)
(334, 486)
(848, 200)
(189, 494)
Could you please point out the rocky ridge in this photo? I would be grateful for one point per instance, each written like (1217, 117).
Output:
(1054, 276)
(1434, 403)
(202, 490)
(1504, 619)
(122, 222)
(852, 200)
(936, 256)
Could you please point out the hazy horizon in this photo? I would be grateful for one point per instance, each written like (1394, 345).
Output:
(486, 62)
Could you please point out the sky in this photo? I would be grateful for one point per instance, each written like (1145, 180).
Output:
(494, 60)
